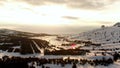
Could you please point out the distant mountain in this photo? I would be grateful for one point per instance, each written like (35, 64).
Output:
(103, 35)
(19, 33)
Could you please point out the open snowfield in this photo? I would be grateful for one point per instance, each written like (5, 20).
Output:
(115, 65)
(93, 55)
(52, 39)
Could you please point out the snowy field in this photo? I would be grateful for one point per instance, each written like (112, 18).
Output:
(53, 40)
(115, 65)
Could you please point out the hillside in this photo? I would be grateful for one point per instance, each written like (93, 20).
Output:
(7, 32)
(103, 35)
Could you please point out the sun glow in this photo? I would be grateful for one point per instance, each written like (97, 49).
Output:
(37, 15)
(13, 12)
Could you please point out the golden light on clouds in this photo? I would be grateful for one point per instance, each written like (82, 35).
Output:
(62, 13)
(47, 15)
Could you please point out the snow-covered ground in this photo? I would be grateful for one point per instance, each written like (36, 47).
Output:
(52, 40)
(103, 35)
(91, 56)
(115, 65)
(3, 53)
(57, 43)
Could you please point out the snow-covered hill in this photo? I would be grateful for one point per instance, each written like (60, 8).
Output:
(13, 32)
(6, 32)
(103, 35)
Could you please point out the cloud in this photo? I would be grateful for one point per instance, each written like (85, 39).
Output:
(64, 29)
(106, 23)
(34, 2)
(57, 1)
(53, 29)
(43, 2)
(70, 17)
(2, 2)
(79, 4)
(89, 4)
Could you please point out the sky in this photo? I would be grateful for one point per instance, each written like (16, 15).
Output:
(58, 16)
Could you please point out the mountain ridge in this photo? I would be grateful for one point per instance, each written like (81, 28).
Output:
(20, 33)
(103, 35)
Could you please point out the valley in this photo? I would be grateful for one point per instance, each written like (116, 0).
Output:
(91, 49)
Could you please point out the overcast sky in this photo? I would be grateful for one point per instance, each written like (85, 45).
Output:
(58, 16)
